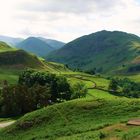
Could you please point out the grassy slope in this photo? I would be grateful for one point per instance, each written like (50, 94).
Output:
(98, 115)
(13, 61)
(4, 47)
(96, 50)
(75, 119)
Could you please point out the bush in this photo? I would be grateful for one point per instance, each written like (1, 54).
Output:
(79, 90)
(59, 86)
(20, 99)
(125, 87)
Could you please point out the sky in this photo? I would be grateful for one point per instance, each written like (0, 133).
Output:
(66, 20)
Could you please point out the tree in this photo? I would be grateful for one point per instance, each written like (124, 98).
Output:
(79, 90)
(59, 86)
(113, 85)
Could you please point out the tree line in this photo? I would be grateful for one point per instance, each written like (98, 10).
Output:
(124, 87)
(35, 90)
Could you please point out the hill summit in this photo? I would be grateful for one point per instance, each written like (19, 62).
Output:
(103, 51)
(35, 45)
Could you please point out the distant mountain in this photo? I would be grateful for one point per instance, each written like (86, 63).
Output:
(36, 46)
(102, 51)
(10, 40)
(54, 43)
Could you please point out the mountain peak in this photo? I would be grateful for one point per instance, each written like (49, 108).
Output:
(104, 50)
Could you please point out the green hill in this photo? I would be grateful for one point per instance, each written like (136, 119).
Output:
(13, 61)
(19, 58)
(104, 51)
(36, 46)
(4, 47)
(90, 119)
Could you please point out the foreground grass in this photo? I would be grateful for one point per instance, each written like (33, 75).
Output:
(73, 119)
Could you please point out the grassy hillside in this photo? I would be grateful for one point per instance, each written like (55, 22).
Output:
(4, 47)
(89, 119)
(98, 116)
(19, 58)
(36, 46)
(13, 61)
(106, 51)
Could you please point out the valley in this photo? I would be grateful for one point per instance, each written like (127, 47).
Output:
(97, 115)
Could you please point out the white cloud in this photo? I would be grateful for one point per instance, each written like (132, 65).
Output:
(67, 19)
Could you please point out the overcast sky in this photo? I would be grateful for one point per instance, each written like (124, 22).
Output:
(66, 20)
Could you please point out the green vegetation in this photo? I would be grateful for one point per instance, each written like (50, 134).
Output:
(13, 62)
(124, 87)
(75, 119)
(101, 52)
(36, 90)
(99, 113)
(4, 47)
(19, 59)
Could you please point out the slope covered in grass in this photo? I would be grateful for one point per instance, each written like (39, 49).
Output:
(19, 58)
(4, 47)
(75, 119)
(13, 61)
(106, 51)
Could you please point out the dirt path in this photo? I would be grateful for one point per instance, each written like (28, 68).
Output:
(134, 122)
(4, 124)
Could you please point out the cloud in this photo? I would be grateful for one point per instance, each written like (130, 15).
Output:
(69, 6)
(68, 19)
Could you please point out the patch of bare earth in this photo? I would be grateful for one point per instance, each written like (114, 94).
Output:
(134, 122)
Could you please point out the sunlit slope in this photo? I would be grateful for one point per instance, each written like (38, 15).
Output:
(103, 51)
(88, 118)
(13, 61)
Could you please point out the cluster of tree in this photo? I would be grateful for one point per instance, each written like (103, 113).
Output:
(36, 90)
(124, 87)
(94, 71)
(134, 68)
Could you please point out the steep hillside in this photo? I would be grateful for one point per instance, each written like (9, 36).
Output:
(36, 46)
(13, 61)
(19, 58)
(102, 51)
(4, 47)
(10, 40)
(53, 43)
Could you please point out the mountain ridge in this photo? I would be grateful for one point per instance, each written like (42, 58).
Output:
(35, 45)
(13, 41)
(104, 51)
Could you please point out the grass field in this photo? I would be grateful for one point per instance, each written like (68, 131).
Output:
(87, 118)
(98, 116)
